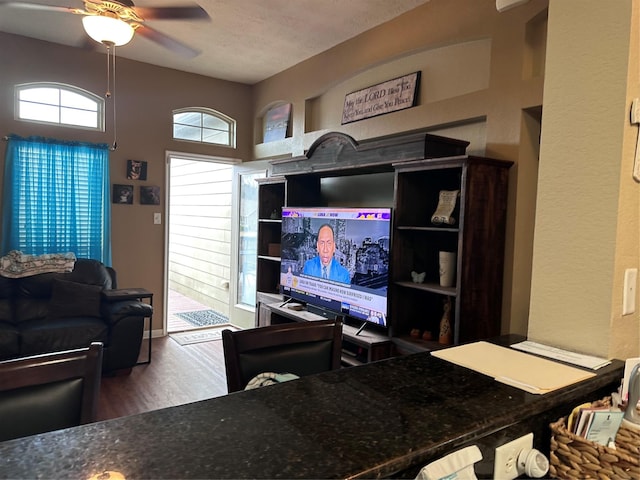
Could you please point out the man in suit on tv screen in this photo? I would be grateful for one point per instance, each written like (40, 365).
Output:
(324, 265)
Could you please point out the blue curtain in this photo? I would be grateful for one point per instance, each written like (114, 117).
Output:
(56, 198)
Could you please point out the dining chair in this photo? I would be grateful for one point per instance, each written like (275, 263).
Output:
(50, 391)
(299, 348)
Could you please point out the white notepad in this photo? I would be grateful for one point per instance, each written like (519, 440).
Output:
(579, 359)
(518, 369)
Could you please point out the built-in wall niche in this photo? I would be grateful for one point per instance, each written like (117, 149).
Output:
(312, 114)
(445, 77)
(274, 125)
(371, 190)
(535, 47)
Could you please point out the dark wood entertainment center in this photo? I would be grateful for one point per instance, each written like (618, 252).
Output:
(406, 172)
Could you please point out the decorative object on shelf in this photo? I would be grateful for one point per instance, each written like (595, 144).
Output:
(445, 337)
(386, 97)
(427, 335)
(415, 333)
(276, 123)
(446, 204)
(150, 195)
(136, 170)
(417, 277)
(274, 215)
(122, 194)
(447, 263)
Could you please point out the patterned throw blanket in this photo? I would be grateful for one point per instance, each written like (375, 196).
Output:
(16, 264)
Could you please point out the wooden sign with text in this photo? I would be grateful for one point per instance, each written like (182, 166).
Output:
(386, 97)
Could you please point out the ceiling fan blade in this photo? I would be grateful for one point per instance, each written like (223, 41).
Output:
(38, 6)
(172, 13)
(167, 42)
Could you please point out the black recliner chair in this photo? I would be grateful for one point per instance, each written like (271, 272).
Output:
(50, 312)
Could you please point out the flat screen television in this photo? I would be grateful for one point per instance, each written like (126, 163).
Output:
(353, 246)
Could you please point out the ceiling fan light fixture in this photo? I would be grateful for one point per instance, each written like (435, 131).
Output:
(111, 31)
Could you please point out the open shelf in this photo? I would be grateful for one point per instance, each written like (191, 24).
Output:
(430, 287)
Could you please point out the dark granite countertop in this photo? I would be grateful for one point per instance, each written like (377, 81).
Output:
(370, 421)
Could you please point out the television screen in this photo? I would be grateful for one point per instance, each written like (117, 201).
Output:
(337, 259)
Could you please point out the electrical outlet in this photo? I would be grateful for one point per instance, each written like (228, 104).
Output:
(505, 464)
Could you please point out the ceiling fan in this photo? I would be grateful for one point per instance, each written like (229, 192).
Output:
(113, 22)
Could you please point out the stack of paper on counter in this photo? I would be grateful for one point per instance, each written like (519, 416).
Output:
(518, 369)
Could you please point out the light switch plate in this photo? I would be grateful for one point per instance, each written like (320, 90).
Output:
(635, 111)
(629, 293)
(157, 218)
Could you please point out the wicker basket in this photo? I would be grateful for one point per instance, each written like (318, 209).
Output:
(575, 458)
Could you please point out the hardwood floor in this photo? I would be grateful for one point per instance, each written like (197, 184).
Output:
(176, 375)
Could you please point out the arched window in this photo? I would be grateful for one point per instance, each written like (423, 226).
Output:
(61, 104)
(204, 125)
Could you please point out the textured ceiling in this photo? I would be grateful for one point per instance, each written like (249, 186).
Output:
(245, 40)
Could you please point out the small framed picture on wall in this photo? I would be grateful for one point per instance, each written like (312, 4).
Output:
(136, 170)
(150, 195)
(122, 194)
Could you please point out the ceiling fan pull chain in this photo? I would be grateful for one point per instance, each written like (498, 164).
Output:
(107, 94)
(111, 71)
(113, 99)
